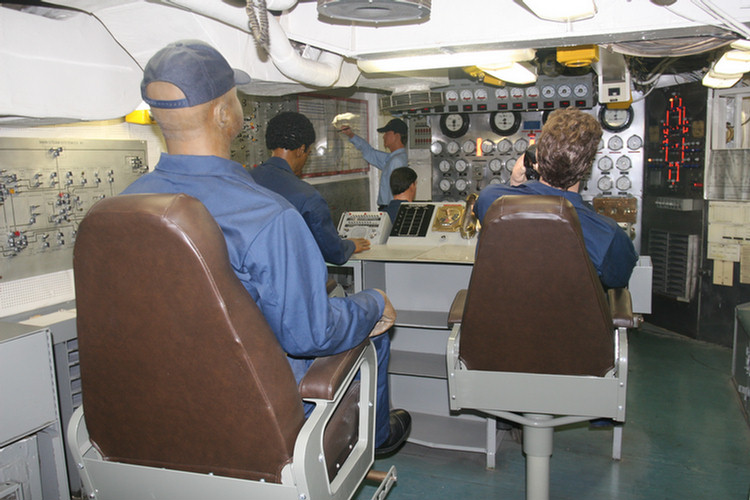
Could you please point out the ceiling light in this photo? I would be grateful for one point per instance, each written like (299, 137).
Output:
(733, 62)
(517, 72)
(720, 81)
(741, 44)
(375, 11)
(490, 58)
(562, 10)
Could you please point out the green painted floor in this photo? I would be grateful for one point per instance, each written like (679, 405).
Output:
(685, 438)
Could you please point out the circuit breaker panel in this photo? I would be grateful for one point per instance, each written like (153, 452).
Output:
(46, 187)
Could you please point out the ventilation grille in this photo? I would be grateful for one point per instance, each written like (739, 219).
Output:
(675, 261)
(411, 101)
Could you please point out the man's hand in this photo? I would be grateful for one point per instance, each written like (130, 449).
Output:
(347, 131)
(518, 174)
(360, 244)
(387, 319)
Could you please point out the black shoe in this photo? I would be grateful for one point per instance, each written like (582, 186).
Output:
(400, 421)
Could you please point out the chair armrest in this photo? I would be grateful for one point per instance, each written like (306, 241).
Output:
(456, 313)
(621, 308)
(326, 374)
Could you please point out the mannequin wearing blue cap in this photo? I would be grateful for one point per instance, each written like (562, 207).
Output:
(192, 92)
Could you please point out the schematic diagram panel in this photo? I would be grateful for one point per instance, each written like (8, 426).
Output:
(46, 187)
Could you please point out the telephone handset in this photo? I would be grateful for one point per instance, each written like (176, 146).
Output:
(529, 160)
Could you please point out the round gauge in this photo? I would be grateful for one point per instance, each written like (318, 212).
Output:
(487, 147)
(615, 120)
(581, 90)
(623, 183)
(462, 184)
(510, 164)
(461, 166)
(505, 123)
(501, 93)
(504, 146)
(451, 96)
(623, 163)
(564, 91)
(605, 164)
(444, 166)
(466, 95)
(452, 147)
(436, 147)
(520, 146)
(634, 142)
(605, 183)
(517, 93)
(480, 94)
(445, 185)
(496, 180)
(496, 165)
(469, 147)
(532, 92)
(548, 91)
(615, 143)
(454, 124)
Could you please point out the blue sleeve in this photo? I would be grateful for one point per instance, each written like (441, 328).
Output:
(317, 215)
(619, 261)
(370, 154)
(487, 197)
(290, 276)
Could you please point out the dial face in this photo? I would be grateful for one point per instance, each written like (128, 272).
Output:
(517, 93)
(436, 147)
(564, 91)
(623, 163)
(532, 92)
(462, 184)
(548, 91)
(605, 164)
(614, 143)
(634, 142)
(454, 125)
(445, 185)
(510, 164)
(504, 146)
(445, 166)
(615, 120)
(480, 94)
(461, 166)
(501, 93)
(466, 95)
(487, 147)
(623, 183)
(505, 122)
(496, 165)
(469, 147)
(496, 180)
(451, 96)
(452, 147)
(605, 183)
(581, 90)
(520, 145)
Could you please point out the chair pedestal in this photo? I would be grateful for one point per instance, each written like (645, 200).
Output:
(537, 445)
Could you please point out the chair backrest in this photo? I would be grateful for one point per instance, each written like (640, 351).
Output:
(535, 303)
(179, 368)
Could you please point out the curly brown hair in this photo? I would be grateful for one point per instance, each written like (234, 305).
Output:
(567, 146)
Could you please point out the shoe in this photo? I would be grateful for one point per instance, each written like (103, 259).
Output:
(601, 422)
(400, 421)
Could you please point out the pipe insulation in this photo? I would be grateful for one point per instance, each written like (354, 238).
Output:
(323, 72)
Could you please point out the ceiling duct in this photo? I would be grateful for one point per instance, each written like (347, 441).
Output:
(375, 11)
(410, 100)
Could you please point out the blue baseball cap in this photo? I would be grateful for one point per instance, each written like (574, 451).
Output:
(196, 68)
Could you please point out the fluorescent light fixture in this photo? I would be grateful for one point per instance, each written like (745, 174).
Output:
(733, 62)
(720, 81)
(562, 10)
(489, 58)
(517, 72)
(741, 45)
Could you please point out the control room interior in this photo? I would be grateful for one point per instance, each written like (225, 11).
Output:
(475, 81)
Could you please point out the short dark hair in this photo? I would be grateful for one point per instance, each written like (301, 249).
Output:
(567, 146)
(401, 179)
(289, 130)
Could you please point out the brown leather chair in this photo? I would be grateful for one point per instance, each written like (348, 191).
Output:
(535, 339)
(187, 393)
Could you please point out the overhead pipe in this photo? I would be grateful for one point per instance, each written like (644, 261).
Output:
(323, 72)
